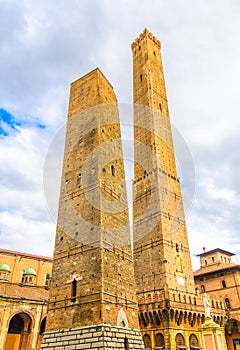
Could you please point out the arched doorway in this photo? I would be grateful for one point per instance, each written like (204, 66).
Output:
(193, 342)
(160, 343)
(147, 342)
(180, 342)
(19, 330)
(42, 330)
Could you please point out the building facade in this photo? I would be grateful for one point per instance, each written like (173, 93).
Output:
(219, 277)
(24, 283)
(93, 282)
(100, 292)
(171, 312)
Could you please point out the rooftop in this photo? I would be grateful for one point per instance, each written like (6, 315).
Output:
(209, 252)
(18, 291)
(220, 266)
(13, 252)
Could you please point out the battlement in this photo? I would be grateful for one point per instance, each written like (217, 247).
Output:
(145, 35)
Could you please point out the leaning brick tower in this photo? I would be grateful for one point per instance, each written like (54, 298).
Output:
(93, 300)
(168, 304)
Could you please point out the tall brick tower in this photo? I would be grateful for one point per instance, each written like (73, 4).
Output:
(167, 299)
(93, 295)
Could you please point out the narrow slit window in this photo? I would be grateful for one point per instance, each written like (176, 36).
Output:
(224, 284)
(228, 305)
(126, 344)
(74, 290)
(113, 170)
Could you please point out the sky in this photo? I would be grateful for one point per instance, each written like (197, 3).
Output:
(45, 45)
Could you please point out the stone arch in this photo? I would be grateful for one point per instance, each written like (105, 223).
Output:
(122, 320)
(171, 314)
(19, 331)
(142, 319)
(190, 318)
(160, 341)
(43, 325)
(165, 315)
(42, 328)
(146, 318)
(16, 325)
(150, 317)
(193, 342)
(156, 319)
(198, 319)
(147, 342)
(24, 313)
(176, 316)
(180, 341)
(194, 320)
(180, 318)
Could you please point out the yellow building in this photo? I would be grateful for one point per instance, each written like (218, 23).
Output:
(24, 283)
(219, 277)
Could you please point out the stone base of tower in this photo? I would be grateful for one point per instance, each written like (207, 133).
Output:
(99, 337)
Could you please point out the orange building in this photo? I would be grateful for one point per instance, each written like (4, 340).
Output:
(24, 282)
(219, 277)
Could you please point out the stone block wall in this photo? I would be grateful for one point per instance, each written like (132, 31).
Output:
(99, 337)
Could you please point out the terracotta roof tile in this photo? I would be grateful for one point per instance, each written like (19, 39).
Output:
(15, 290)
(214, 268)
(13, 252)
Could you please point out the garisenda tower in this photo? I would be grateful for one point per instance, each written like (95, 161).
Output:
(103, 295)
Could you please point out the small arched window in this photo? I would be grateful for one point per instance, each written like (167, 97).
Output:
(180, 341)
(147, 341)
(224, 284)
(160, 342)
(203, 288)
(228, 304)
(193, 342)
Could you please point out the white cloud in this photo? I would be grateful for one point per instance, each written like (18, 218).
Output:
(43, 47)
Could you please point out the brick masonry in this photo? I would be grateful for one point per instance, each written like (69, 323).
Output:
(92, 247)
(99, 337)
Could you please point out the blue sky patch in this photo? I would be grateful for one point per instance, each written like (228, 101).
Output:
(8, 123)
